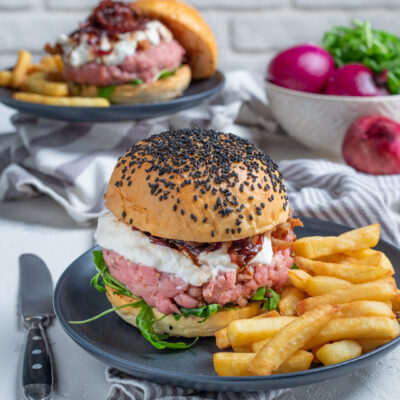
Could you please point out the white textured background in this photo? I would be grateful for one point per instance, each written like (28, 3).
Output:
(248, 31)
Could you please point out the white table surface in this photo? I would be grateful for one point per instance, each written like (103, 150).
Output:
(40, 226)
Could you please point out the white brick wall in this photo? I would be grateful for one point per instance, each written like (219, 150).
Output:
(249, 32)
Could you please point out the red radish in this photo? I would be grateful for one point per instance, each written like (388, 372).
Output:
(372, 145)
(305, 67)
(353, 80)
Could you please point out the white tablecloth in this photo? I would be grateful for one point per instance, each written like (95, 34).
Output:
(42, 227)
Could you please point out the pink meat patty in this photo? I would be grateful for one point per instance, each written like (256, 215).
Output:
(166, 291)
(143, 64)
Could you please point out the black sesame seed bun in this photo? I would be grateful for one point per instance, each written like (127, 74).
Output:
(190, 326)
(197, 185)
(189, 29)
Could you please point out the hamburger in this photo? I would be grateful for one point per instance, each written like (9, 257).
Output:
(139, 52)
(198, 234)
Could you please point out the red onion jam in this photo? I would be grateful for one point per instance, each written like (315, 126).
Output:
(109, 19)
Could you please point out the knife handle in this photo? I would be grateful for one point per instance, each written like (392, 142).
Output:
(37, 375)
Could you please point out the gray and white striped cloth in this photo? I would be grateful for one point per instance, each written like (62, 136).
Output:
(72, 162)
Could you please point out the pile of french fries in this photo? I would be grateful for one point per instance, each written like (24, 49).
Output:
(340, 302)
(43, 83)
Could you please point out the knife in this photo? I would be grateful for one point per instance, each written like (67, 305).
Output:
(36, 306)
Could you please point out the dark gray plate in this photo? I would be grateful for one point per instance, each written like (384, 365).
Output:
(197, 92)
(118, 344)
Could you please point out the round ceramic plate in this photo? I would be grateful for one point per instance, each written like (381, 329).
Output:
(197, 92)
(118, 344)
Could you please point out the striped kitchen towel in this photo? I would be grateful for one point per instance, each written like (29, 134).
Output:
(72, 162)
(126, 387)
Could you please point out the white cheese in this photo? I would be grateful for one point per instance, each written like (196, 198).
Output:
(79, 53)
(111, 234)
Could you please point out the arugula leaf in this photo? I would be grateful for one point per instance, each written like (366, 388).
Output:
(106, 277)
(105, 91)
(164, 73)
(378, 50)
(136, 82)
(273, 302)
(260, 294)
(201, 312)
(294, 266)
(102, 314)
(145, 322)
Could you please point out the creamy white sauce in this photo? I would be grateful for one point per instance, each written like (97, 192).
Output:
(111, 234)
(79, 53)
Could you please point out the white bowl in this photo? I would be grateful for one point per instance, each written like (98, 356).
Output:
(321, 121)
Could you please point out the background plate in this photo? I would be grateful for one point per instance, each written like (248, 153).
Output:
(118, 344)
(197, 92)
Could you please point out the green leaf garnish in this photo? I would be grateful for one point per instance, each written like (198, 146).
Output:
(272, 302)
(164, 73)
(201, 312)
(136, 82)
(105, 91)
(260, 294)
(102, 314)
(145, 322)
(378, 50)
(294, 266)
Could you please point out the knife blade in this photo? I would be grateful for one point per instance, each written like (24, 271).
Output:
(36, 307)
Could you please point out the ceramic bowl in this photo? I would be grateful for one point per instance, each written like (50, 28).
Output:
(320, 121)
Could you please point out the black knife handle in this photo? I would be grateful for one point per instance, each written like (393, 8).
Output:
(37, 375)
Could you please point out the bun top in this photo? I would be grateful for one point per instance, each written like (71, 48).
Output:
(189, 29)
(197, 185)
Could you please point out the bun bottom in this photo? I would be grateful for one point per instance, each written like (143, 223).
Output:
(186, 326)
(161, 90)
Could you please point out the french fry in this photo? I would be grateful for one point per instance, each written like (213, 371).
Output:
(396, 303)
(289, 339)
(354, 328)
(359, 254)
(337, 352)
(21, 68)
(62, 101)
(318, 246)
(339, 258)
(40, 83)
(221, 336)
(299, 361)
(314, 353)
(257, 346)
(371, 256)
(365, 308)
(319, 285)
(371, 344)
(243, 332)
(5, 78)
(236, 364)
(354, 273)
(291, 295)
(299, 278)
(242, 349)
(378, 259)
(378, 291)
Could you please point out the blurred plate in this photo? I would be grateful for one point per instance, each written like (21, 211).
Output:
(197, 92)
(114, 342)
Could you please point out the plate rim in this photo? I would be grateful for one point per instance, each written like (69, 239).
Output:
(107, 357)
(9, 101)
